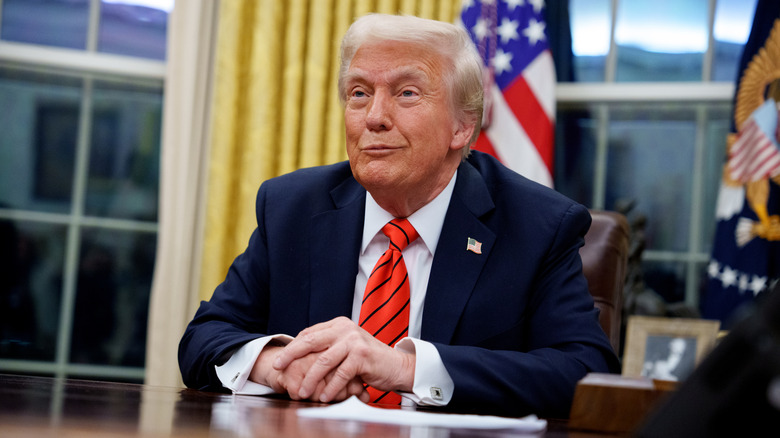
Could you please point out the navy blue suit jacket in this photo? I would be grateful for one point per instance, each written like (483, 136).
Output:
(515, 326)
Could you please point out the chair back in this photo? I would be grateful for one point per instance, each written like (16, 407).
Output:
(604, 259)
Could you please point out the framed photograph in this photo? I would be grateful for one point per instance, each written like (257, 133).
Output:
(666, 348)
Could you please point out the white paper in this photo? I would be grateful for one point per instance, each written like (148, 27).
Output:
(355, 410)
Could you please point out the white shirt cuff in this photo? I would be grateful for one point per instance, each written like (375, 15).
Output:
(234, 374)
(433, 385)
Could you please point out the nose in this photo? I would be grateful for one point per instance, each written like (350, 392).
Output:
(379, 112)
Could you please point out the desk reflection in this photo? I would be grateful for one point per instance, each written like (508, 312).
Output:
(39, 406)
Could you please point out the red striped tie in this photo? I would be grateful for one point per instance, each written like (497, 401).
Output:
(385, 309)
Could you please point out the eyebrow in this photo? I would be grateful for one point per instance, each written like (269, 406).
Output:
(395, 75)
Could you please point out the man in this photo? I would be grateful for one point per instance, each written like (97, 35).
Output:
(498, 317)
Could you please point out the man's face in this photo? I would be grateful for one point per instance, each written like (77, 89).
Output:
(402, 137)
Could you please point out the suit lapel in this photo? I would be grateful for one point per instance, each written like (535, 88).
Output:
(336, 232)
(455, 270)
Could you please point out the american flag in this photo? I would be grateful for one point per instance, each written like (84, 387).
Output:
(519, 76)
(755, 155)
(474, 246)
(745, 261)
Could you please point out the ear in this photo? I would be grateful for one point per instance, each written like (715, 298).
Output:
(463, 130)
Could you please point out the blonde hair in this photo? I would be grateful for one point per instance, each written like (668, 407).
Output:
(463, 76)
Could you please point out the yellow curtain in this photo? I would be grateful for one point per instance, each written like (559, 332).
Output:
(275, 105)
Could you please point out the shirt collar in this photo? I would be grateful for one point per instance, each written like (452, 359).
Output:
(428, 220)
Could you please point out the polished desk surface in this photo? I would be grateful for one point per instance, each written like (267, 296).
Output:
(43, 407)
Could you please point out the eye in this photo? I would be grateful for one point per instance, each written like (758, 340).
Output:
(357, 92)
(408, 93)
(357, 98)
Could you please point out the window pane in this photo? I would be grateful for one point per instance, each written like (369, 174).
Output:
(590, 25)
(661, 40)
(134, 27)
(733, 19)
(125, 151)
(650, 160)
(716, 130)
(38, 141)
(112, 297)
(666, 279)
(575, 152)
(31, 260)
(60, 23)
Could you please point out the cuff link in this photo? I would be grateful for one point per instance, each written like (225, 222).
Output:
(436, 393)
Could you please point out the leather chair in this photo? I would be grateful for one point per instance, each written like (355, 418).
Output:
(604, 259)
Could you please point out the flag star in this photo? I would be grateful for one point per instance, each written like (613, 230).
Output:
(465, 4)
(512, 4)
(538, 5)
(713, 270)
(508, 30)
(744, 282)
(757, 285)
(480, 29)
(729, 277)
(502, 61)
(534, 32)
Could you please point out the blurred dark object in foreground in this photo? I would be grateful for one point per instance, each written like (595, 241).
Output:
(735, 391)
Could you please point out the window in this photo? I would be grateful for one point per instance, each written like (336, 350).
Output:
(645, 128)
(79, 174)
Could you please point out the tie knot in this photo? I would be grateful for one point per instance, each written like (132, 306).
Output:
(400, 232)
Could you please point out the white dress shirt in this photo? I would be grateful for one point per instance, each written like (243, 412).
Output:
(432, 383)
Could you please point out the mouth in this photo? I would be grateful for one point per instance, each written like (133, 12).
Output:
(379, 149)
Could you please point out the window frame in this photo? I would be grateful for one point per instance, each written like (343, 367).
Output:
(89, 65)
(701, 93)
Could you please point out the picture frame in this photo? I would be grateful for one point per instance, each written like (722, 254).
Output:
(664, 348)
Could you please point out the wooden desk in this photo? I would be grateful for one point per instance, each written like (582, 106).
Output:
(45, 407)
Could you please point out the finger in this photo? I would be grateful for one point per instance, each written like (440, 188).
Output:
(287, 385)
(356, 387)
(291, 377)
(273, 381)
(316, 394)
(342, 378)
(311, 340)
(303, 344)
(328, 363)
(364, 396)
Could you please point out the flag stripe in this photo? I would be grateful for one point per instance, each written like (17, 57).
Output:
(520, 96)
(753, 156)
(532, 118)
(761, 157)
(483, 144)
(512, 144)
(540, 76)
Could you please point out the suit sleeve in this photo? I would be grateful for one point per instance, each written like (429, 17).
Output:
(560, 339)
(236, 313)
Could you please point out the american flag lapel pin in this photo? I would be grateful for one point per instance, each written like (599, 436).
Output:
(474, 246)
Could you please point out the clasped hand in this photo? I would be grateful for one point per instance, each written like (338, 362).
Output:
(331, 361)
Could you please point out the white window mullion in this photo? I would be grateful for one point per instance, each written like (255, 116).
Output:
(93, 25)
(600, 163)
(610, 64)
(697, 204)
(709, 54)
(73, 245)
